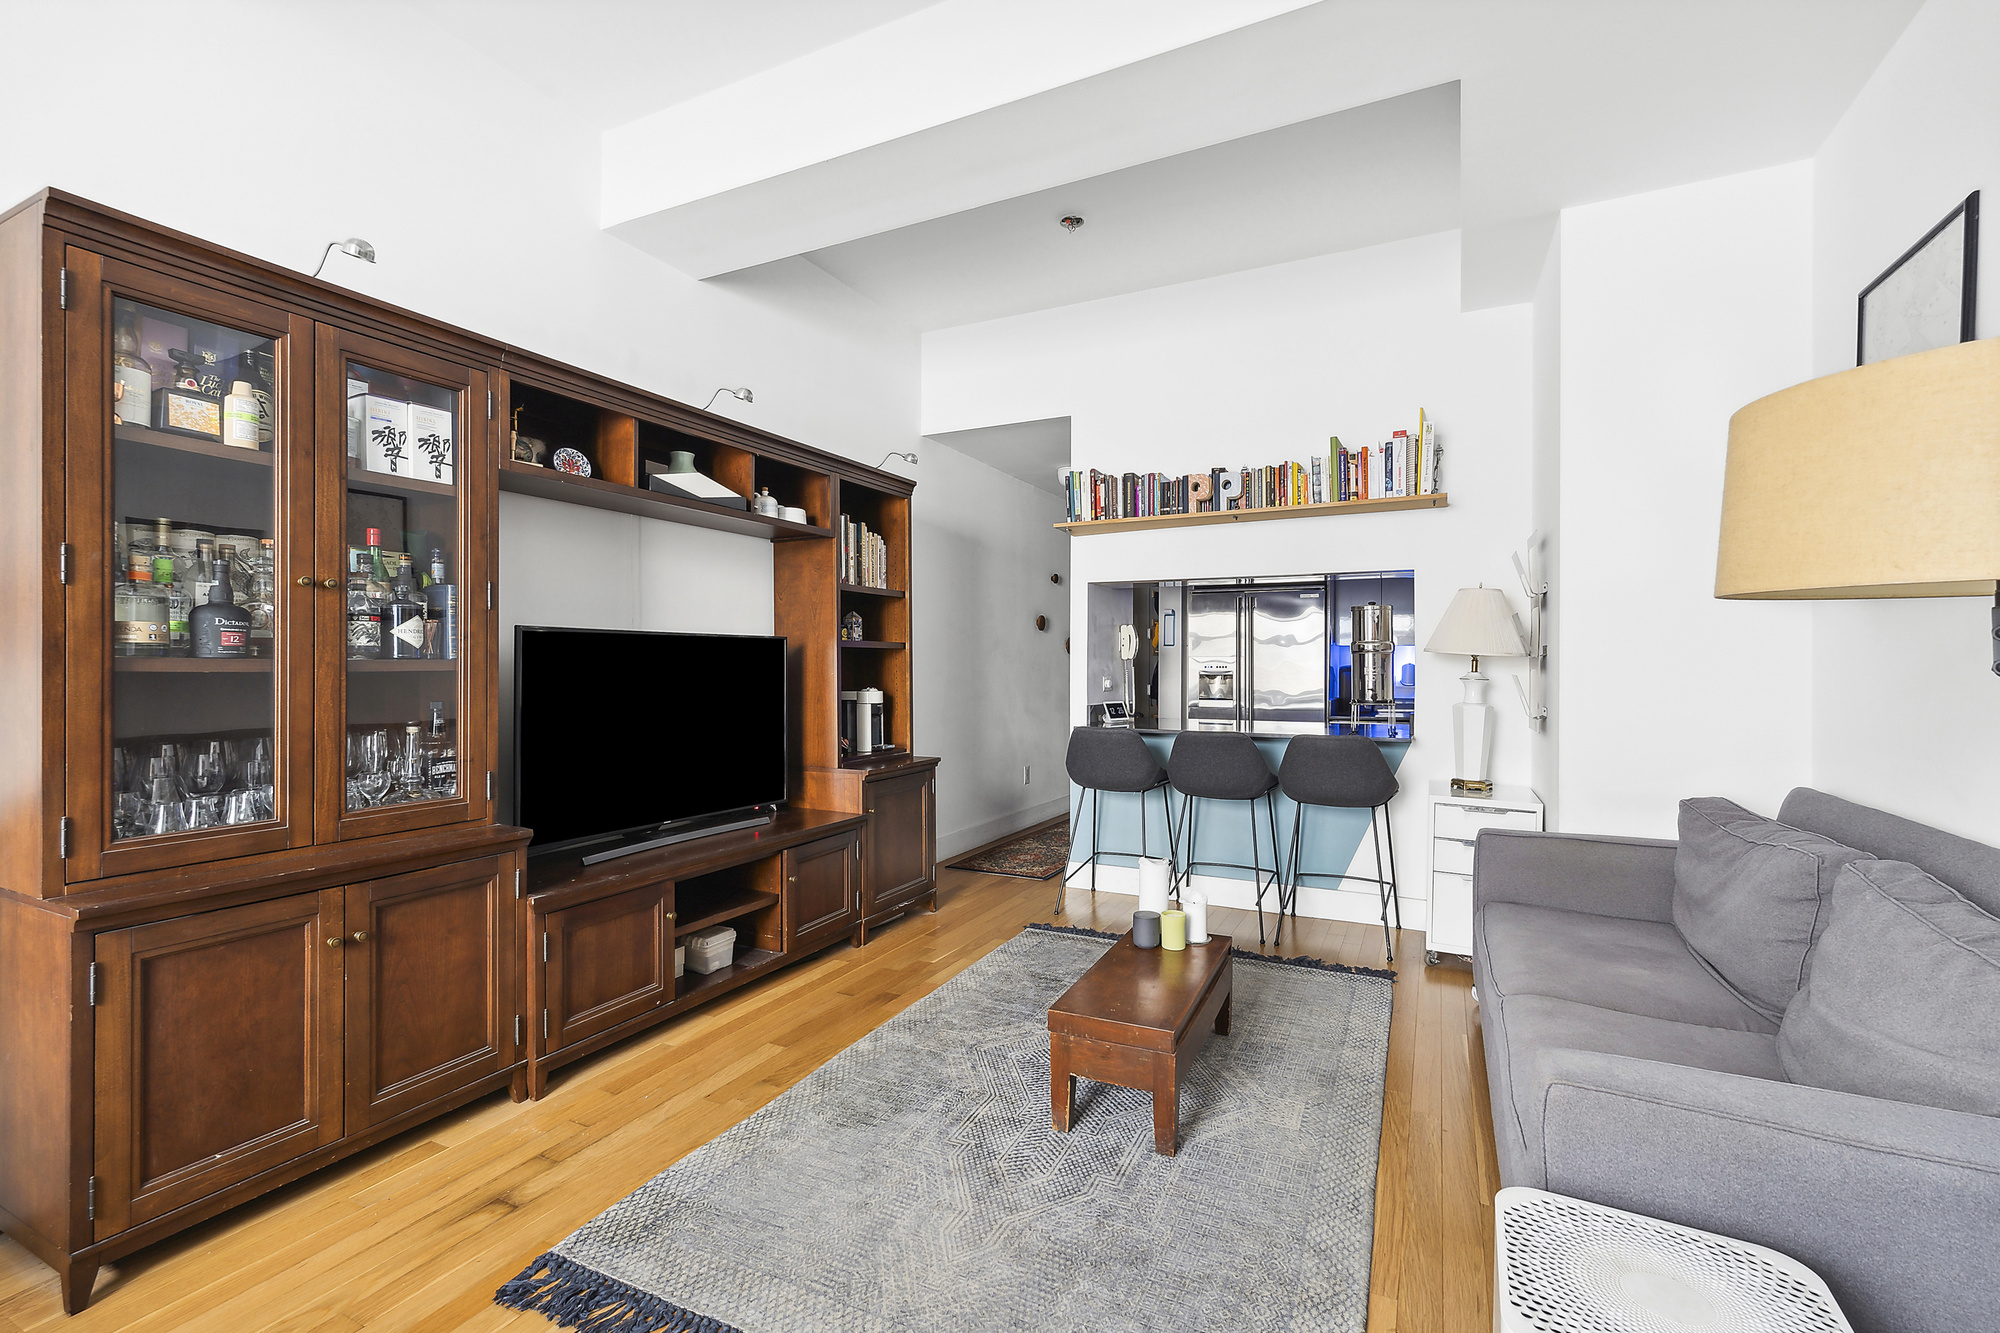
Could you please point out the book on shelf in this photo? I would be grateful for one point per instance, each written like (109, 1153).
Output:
(1409, 462)
(863, 557)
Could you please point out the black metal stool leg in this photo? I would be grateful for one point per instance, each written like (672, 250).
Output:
(1257, 869)
(1277, 868)
(1395, 894)
(1298, 820)
(1173, 844)
(1388, 945)
(1096, 821)
(1062, 885)
(1145, 840)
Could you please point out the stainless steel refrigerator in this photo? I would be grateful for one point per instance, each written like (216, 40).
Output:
(1257, 657)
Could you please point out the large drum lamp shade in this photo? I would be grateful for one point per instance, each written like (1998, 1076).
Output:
(1883, 481)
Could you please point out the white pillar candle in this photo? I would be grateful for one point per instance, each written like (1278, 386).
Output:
(1154, 876)
(1195, 904)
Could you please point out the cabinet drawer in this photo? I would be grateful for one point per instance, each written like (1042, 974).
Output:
(1465, 821)
(1453, 855)
(1451, 914)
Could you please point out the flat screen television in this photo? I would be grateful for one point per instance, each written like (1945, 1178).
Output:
(621, 733)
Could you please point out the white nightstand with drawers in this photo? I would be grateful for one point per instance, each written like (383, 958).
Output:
(1456, 819)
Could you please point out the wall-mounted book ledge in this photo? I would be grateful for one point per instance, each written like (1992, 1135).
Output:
(1093, 527)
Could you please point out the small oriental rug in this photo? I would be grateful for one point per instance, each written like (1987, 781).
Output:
(1037, 854)
(913, 1182)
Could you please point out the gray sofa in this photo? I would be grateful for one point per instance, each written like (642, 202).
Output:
(1624, 1072)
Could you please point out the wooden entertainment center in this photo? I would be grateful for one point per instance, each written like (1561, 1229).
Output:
(237, 940)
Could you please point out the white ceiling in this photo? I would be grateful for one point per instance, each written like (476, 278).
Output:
(1029, 450)
(1377, 173)
(614, 61)
(919, 150)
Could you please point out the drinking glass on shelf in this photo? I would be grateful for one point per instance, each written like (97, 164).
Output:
(160, 806)
(369, 768)
(243, 752)
(258, 776)
(204, 773)
(242, 806)
(411, 768)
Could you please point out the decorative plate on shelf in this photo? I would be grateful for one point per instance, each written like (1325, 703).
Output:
(572, 462)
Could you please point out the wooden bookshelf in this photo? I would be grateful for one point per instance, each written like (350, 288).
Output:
(1093, 527)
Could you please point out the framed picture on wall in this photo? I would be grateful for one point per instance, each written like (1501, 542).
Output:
(1926, 298)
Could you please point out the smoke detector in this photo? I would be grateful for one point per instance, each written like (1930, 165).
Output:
(1072, 222)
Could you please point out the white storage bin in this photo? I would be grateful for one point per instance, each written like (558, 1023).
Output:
(680, 960)
(711, 950)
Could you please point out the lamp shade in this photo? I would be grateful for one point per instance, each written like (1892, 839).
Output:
(1477, 624)
(1883, 481)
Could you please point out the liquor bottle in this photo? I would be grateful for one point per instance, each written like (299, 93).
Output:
(403, 618)
(201, 572)
(180, 606)
(138, 615)
(440, 755)
(221, 627)
(261, 603)
(441, 599)
(364, 620)
(131, 377)
(163, 545)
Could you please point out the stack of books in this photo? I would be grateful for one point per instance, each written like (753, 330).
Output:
(864, 556)
(1409, 462)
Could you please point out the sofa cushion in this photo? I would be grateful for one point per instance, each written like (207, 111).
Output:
(1973, 868)
(1636, 967)
(1901, 995)
(1750, 897)
(1538, 1023)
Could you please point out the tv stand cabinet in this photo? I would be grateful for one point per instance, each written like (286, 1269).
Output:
(601, 938)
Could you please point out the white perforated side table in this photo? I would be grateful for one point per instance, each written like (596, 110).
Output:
(1561, 1265)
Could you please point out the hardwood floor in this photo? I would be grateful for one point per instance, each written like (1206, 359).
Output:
(414, 1235)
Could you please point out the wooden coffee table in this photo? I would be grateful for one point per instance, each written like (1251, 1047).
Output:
(1133, 1019)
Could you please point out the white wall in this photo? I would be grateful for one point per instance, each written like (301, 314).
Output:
(1677, 308)
(1906, 710)
(984, 546)
(1545, 744)
(1265, 365)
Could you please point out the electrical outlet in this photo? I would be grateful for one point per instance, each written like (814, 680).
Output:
(1026, 775)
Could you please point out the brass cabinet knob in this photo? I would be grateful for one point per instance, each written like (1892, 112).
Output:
(871, 809)
(333, 941)
(306, 580)
(791, 879)
(329, 584)
(361, 937)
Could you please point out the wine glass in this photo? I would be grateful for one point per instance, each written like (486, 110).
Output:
(258, 783)
(371, 768)
(160, 808)
(411, 769)
(204, 771)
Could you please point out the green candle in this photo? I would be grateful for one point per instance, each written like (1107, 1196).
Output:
(1173, 930)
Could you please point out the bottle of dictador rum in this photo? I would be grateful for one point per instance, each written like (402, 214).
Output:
(219, 627)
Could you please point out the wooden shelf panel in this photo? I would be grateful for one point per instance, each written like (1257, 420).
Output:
(747, 960)
(596, 493)
(871, 592)
(361, 477)
(189, 444)
(192, 664)
(728, 907)
(1093, 527)
(402, 664)
(872, 643)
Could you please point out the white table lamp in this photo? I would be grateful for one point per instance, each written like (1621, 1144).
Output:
(1477, 624)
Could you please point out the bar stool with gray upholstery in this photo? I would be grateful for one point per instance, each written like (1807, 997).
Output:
(1102, 759)
(1228, 766)
(1341, 772)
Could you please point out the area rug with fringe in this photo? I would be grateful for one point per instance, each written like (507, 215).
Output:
(1037, 854)
(913, 1183)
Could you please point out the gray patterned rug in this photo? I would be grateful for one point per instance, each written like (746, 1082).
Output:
(913, 1184)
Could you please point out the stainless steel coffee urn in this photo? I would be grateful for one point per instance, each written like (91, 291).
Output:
(864, 721)
(1374, 647)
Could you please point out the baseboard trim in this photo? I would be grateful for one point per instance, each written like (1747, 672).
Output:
(977, 837)
(1361, 906)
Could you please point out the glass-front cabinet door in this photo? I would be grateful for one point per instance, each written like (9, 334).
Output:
(188, 523)
(402, 616)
